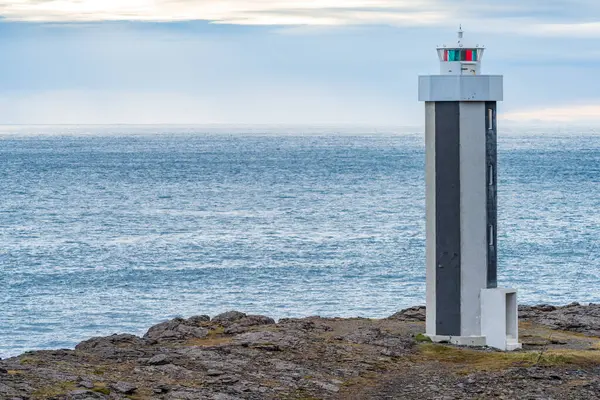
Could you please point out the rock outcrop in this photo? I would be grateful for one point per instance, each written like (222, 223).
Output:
(573, 317)
(240, 356)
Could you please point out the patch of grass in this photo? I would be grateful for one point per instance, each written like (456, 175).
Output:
(54, 390)
(100, 387)
(486, 361)
(99, 371)
(365, 380)
(582, 358)
(219, 330)
(30, 361)
(527, 329)
(215, 337)
(420, 338)
(14, 372)
(208, 341)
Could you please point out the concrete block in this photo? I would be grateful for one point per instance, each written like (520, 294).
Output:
(476, 341)
(499, 318)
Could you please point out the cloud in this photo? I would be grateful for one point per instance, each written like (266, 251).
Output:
(570, 113)
(256, 12)
(583, 30)
(553, 18)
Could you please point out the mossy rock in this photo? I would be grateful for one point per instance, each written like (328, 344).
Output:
(420, 338)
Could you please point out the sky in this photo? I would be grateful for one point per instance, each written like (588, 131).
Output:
(286, 62)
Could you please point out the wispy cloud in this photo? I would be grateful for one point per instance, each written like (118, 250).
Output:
(569, 113)
(552, 18)
(262, 12)
(573, 30)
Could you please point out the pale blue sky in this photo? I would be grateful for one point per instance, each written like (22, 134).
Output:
(292, 62)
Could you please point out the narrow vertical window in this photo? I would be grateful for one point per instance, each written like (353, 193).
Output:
(491, 175)
(490, 119)
(491, 235)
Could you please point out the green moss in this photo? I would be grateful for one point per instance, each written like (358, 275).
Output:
(496, 360)
(103, 390)
(99, 371)
(219, 330)
(420, 338)
(301, 394)
(54, 390)
(30, 361)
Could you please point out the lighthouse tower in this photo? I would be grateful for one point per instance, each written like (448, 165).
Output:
(464, 304)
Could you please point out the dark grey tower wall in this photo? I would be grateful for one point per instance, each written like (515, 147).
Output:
(447, 217)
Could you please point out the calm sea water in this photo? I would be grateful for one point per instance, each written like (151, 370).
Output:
(111, 230)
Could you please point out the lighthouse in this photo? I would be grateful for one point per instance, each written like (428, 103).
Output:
(464, 304)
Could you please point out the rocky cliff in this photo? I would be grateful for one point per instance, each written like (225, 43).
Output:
(239, 356)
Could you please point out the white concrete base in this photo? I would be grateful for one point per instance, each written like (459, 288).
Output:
(499, 318)
(459, 340)
(513, 344)
(499, 322)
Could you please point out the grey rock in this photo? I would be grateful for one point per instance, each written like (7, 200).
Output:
(199, 319)
(223, 396)
(185, 394)
(393, 346)
(228, 318)
(176, 329)
(311, 324)
(84, 395)
(174, 372)
(159, 359)
(86, 384)
(214, 372)
(6, 391)
(281, 365)
(124, 387)
(573, 317)
(410, 314)
(364, 336)
(110, 341)
(54, 375)
(248, 321)
(267, 340)
(161, 389)
(122, 346)
(223, 380)
(328, 386)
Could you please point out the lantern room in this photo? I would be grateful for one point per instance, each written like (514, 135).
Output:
(460, 59)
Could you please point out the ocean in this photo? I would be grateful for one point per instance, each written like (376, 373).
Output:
(113, 229)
